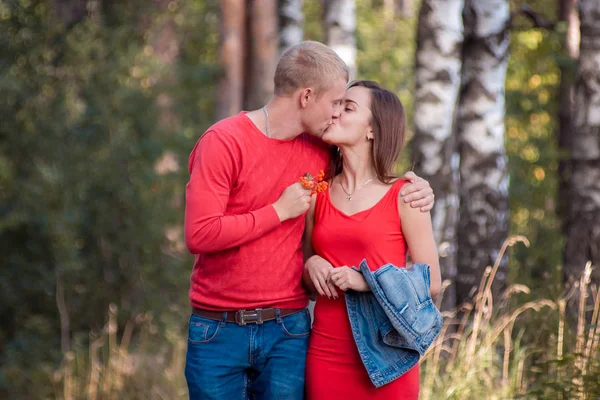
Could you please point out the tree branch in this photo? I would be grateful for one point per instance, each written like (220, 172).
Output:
(532, 15)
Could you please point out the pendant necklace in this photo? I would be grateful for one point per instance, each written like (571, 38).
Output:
(349, 195)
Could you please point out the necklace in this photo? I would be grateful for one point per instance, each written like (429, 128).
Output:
(267, 121)
(349, 195)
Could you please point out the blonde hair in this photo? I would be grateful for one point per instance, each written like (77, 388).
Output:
(308, 64)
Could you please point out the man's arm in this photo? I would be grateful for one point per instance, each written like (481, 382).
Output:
(417, 192)
(213, 169)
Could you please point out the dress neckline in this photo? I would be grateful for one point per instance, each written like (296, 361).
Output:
(365, 210)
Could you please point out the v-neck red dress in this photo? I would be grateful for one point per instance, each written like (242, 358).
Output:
(334, 369)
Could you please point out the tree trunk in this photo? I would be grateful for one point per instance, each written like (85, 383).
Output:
(340, 30)
(583, 228)
(291, 21)
(438, 68)
(566, 95)
(404, 8)
(262, 59)
(399, 7)
(166, 48)
(230, 93)
(69, 12)
(483, 215)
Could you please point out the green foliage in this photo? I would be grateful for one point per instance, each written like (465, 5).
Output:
(532, 106)
(96, 128)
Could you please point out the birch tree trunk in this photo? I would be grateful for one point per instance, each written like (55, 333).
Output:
(583, 229)
(566, 95)
(264, 52)
(483, 215)
(230, 93)
(340, 30)
(291, 21)
(438, 72)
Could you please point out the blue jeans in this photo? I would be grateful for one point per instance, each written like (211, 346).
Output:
(228, 361)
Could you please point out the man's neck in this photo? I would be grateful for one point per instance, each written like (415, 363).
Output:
(284, 122)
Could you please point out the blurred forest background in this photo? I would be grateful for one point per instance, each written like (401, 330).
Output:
(102, 101)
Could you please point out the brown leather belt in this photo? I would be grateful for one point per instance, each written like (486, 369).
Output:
(243, 317)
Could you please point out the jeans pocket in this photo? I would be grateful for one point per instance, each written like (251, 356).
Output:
(296, 325)
(202, 330)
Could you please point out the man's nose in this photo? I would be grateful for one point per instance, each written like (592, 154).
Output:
(336, 113)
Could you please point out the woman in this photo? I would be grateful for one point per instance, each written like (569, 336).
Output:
(361, 216)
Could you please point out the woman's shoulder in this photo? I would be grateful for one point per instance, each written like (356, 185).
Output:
(397, 183)
(394, 187)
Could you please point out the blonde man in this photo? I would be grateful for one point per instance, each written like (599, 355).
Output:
(248, 332)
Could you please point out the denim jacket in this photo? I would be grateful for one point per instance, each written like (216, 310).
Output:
(395, 323)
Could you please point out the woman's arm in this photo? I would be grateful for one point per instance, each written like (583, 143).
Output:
(418, 231)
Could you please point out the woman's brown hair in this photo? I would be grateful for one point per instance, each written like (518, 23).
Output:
(389, 125)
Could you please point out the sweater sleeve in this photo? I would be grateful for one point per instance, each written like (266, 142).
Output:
(213, 167)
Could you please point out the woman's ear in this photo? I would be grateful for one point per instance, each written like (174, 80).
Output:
(370, 134)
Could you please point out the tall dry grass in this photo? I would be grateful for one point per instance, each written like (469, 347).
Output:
(480, 355)
(486, 350)
(135, 364)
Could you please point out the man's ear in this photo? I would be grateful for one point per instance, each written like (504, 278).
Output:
(305, 96)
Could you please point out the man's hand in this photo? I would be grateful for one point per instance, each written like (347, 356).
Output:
(346, 278)
(417, 192)
(293, 202)
(318, 271)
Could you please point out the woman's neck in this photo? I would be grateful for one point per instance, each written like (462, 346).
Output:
(357, 168)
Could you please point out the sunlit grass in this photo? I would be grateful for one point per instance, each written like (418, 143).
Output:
(482, 352)
(480, 355)
(133, 364)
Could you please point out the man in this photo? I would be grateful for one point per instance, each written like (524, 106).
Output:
(248, 332)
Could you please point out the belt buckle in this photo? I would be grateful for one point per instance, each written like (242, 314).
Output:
(243, 317)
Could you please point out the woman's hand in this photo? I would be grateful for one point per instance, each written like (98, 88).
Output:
(318, 270)
(346, 278)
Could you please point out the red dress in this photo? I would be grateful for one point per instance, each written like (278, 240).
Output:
(334, 369)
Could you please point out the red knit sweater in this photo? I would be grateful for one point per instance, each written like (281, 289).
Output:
(246, 258)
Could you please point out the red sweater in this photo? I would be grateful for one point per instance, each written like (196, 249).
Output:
(246, 258)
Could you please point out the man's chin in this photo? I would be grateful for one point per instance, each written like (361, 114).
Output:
(328, 128)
